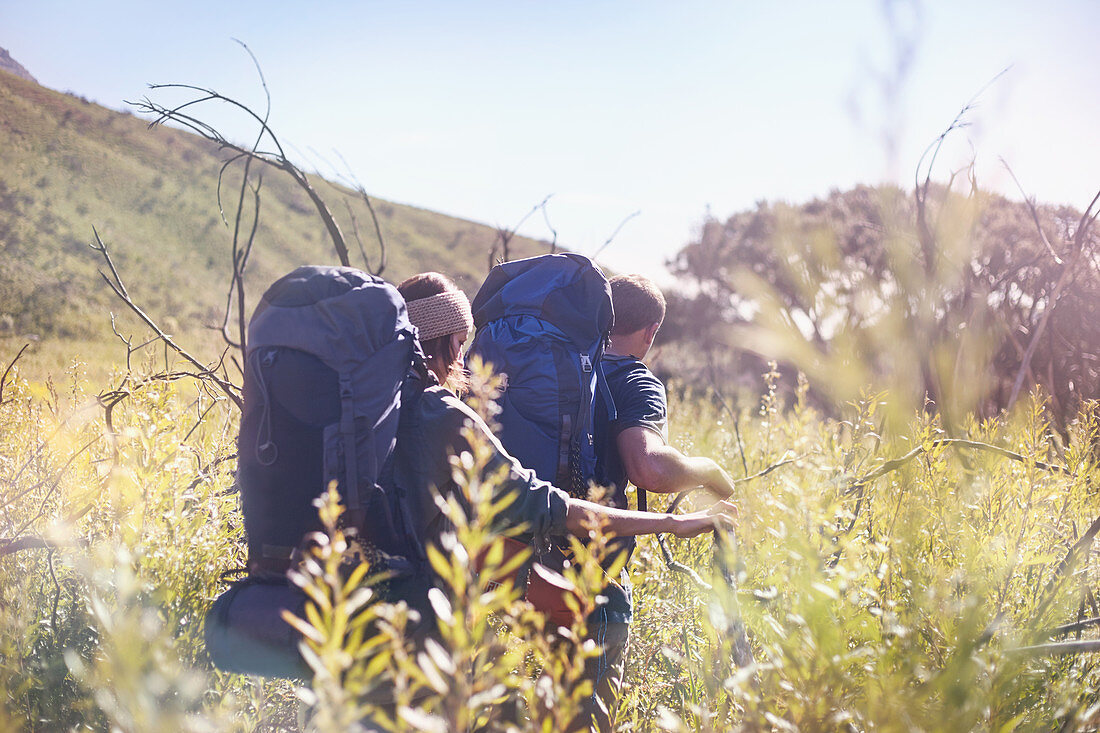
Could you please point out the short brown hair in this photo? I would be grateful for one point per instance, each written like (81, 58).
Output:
(638, 303)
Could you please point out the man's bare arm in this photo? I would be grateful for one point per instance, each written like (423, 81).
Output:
(655, 466)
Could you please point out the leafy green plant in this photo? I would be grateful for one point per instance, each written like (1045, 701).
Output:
(887, 579)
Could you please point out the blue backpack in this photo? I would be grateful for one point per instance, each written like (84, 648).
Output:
(543, 323)
(327, 374)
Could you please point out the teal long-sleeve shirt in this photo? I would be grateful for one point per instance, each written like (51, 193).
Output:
(431, 434)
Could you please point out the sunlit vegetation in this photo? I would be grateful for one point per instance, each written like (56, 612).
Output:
(917, 469)
(888, 581)
(953, 294)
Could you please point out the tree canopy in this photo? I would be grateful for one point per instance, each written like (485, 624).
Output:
(967, 299)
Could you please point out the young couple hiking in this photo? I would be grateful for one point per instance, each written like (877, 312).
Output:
(347, 380)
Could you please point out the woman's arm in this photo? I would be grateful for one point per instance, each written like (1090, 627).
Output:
(581, 514)
(541, 508)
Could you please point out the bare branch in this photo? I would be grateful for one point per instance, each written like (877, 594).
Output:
(277, 159)
(553, 231)
(7, 372)
(116, 283)
(18, 544)
(896, 463)
(1058, 648)
(1088, 218)
(239, 259)
(676, 566)
(242, 312)
(615, 233)
(1074, 627)
(1034, 213)
(176, 115)
(221, 176)
(263, 81)
(355, 232)
(1069, 268)
(347, 178)
(359, 188)
(506, 235)
(920, 191)
(956, 124)
(769, 469)
(206, 473)
(231, 390)
(209, 95)
(198, 422)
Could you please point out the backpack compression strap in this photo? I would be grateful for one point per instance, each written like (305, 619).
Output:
(266, 450)
(348, 429)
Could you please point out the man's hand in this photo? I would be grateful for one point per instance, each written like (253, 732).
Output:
(723, 515)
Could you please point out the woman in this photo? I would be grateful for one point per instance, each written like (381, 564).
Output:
(441, 314)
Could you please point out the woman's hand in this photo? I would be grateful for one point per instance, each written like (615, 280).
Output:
(722, 514)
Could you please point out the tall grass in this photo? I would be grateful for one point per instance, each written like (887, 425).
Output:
(896, 603)
(893, 605)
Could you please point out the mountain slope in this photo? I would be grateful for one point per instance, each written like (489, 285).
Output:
(10, 65)
(67, 165)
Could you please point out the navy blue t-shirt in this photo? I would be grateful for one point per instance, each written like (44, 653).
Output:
(640, 401)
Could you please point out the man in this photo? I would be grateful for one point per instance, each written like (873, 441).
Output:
(634, 447)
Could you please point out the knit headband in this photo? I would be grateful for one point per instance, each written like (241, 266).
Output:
(440, 315)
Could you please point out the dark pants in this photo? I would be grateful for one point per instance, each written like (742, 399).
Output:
(605, 672)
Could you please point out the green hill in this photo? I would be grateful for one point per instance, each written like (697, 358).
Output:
(67, 165)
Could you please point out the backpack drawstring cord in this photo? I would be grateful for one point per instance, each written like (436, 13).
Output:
(266, 450)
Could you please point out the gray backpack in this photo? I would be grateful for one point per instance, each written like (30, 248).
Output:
(332, 361)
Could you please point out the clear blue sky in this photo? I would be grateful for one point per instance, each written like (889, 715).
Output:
(481, 109)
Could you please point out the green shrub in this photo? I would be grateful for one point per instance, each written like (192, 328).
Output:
(899, 601)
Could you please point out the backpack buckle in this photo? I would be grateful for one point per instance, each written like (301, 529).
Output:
(586, 363)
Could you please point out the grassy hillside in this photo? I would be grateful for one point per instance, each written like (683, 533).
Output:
(67, 165)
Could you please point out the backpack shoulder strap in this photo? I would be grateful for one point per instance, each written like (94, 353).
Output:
(408, 430)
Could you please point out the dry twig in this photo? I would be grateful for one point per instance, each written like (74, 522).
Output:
(615, 233)
(205, 373)
(504, 236)
(276, 158)
(10, 547)
(662, 540)
(1069, 268)
(1057, 648)
(352, 181)
(7, 372)
(1075, 627)
(896, 463)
